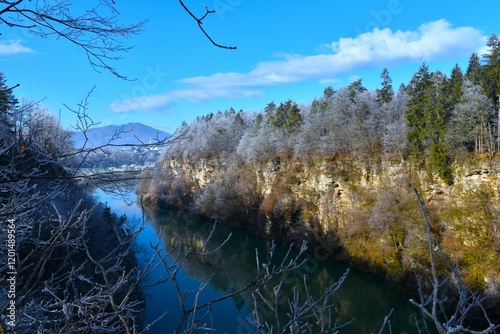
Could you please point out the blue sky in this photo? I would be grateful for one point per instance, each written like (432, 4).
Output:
(285, 49)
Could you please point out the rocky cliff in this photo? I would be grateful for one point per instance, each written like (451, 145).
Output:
(364, 212)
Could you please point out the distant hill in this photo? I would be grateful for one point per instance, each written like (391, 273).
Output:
(131, 133)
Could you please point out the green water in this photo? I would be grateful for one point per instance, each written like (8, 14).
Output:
(362, 296)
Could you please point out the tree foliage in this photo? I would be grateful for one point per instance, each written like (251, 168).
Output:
(432, 119)
(386, 93)
(286, 116)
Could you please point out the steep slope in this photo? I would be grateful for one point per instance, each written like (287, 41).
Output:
(365, 213)
(131, 133)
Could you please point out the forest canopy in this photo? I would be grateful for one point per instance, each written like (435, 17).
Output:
(434, 117)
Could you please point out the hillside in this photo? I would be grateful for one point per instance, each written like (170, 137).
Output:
(116, 156)
(340, 171)
(127, 134)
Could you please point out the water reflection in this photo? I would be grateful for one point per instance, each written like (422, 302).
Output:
(361, 296)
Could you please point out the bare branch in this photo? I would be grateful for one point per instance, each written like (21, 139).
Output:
(468, 299)
(199, 21)
(96, 31)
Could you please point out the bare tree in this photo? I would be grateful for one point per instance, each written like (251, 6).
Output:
(436, 307)
(61, 278)
(313, 313)
(304, 315)
(96, 30)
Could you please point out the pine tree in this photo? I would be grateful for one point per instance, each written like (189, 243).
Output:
(287, 116)
(491, 81)
(474, 71)
(270, 109)
(454, 87)
(386, 93)
(237, 130)
(439, 161)
(355, 88)
(328, 92)
(320, 105)
(427, 116)
(438, 115)
(415, 114)
(8, 105)
(7, 102)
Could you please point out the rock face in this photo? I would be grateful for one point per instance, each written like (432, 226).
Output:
(363, 212)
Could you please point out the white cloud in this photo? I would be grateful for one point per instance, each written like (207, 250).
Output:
(143, 103)
(203, 95)
(162, 102)
(12, 47)
(435, 40)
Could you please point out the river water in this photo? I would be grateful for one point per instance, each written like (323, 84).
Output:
(361, 296)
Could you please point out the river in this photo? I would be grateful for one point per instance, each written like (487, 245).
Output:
(361, 296)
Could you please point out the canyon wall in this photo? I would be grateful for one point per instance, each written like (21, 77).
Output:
(363, 212)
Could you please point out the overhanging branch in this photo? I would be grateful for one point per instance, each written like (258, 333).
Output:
(199, 21)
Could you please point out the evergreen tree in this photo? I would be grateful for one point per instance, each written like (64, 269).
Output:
(491, 81)
(439, 161)
(7, 104)
(493, 44)
(386, 93)
(270, 109)
(438, 114)
(453, 88)
(287, 116)
(474, 70)
(354, 88)
(418, 102)
(320, 105)
(427, 116)
(328, 92)
(237, 130)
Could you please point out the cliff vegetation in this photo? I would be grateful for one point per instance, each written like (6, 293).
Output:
(340, 171)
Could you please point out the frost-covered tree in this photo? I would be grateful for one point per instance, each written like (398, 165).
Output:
(213, 135)
(470, 125)
(42, 130)
(313, 139)
(339, 123)
(262, 141)
(367, 125)
(395, 133)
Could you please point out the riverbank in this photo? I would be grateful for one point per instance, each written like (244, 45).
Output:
(233, 266)
(362, 212)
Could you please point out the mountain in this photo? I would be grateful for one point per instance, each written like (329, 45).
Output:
(131, 133)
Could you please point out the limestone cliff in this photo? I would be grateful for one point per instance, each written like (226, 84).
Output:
(363, 212)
